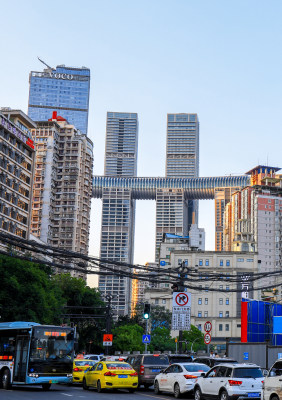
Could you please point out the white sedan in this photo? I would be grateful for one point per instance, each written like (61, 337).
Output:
(179, 378)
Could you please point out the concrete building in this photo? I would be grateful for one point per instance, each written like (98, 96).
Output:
(62, 185)
(62, 89)
(16, 172)
(118, 209)
(222, 308)
(253, 221)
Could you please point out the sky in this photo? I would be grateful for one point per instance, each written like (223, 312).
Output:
(220, 59)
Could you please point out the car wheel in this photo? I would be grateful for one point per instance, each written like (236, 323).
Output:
(274, 398)
(46, 386)
(176, 391)
(224, 395)
(198, 394)
(6, 380)
(131, 390)
(157, 387)
(85, 387)
(99, 389)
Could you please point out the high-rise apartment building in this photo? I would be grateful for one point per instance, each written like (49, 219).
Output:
(118, 210)
(62, 185)
(253, 221)
(176, 213)
(16, 172)
(62, 89)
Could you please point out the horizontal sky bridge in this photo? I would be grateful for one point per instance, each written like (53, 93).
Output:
(146, 188)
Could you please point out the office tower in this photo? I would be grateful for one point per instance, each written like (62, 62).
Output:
(62, 186)
(253, 221)
(175, 213)
(118, 210)
(16, 171)
(62, 89)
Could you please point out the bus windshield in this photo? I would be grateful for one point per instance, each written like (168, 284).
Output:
(51, 343)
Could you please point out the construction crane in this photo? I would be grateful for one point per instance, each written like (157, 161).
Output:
(48, 66)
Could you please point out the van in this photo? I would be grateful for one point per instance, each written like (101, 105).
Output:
(272, 386)
(148, 366)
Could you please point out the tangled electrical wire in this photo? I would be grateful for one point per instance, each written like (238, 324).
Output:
(66, 260)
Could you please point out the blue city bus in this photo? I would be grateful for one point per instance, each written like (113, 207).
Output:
(34, 354)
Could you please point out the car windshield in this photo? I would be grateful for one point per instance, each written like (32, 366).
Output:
(156, 360)
(118, 366)
(247, 373)
(223, 361)
(197, 368)
(84, 363)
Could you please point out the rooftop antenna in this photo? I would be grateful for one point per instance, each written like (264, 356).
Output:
(48, 66)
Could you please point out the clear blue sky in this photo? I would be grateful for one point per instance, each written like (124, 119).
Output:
(220, 59)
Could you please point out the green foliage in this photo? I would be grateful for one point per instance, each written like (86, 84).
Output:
(128, 338)
(159, 317)
(194, 338)
(161, 340)
(27, 293)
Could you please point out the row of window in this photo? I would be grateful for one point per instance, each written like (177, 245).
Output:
(220, 301)
(205, 314)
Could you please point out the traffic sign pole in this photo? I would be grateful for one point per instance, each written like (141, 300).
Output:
(146, 344)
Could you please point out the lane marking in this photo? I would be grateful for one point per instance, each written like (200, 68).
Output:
(155, 397)
(66, 394)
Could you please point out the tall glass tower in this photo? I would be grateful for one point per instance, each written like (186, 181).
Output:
(62, 89)
(118, 209)
(175, 213)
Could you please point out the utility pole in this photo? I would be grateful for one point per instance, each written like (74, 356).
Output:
(181, 288)
(108, 318)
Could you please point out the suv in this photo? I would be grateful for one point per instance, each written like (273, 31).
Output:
(212, 361)
(272, 387)
(230, 381)
(179, 358)
(148, 366)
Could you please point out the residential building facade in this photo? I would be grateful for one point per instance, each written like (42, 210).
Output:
(118, 207)
(62, 89)
(16, 172)
(253, 222)
(62, 186)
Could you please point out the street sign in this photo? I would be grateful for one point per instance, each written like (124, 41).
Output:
(107, 339)
(246, 356)
(208, 326)
(146, 339)
(162, 263)
(181, 311)
(207, 338)
(181, 299)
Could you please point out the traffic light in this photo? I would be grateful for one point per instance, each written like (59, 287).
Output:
(147, 309)
(174, 287)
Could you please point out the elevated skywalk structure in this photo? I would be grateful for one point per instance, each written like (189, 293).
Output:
(146, 188)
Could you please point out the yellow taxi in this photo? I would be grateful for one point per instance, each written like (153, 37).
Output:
(111, 375)
(79, 367)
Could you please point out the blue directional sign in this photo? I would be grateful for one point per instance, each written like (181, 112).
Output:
(246, 356)
(146, 338)
(162, 263)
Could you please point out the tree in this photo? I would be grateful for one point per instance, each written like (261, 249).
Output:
(194, 338)
(161, 340)
(27, 293)
(159, 316)
(128, 338)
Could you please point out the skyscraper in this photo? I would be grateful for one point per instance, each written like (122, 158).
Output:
(175, 213)
(62, 89)
(118, 210)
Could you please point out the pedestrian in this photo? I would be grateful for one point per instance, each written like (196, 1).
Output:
(212, 354)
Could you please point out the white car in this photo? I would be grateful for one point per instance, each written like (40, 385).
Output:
(230, 381)
(179, 378)
(272, 387)
(94, 357)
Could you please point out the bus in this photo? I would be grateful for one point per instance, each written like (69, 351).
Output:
(35, 354)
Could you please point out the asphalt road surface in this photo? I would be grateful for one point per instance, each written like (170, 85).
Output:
(63, 392)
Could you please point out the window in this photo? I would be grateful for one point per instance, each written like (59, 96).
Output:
(220, 302)
(220, 286)
(200, 262)
(221, 263)
(227, 301)
(227, 263)
(163, 301)
(227, 287)
(156, 301)
(207, 262)
(199, 314)
(200, 301)
(206, 314)
(206, 301)
(227, 327)
(220, 327)
(200, 327)
(220, 314)
(240, 259)
(226, 314)
(206, 288)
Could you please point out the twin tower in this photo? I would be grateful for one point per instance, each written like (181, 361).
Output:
(176, 195)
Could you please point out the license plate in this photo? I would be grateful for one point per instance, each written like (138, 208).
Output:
(122, 376)
(53, 381)
(253, 394)
(155, 370)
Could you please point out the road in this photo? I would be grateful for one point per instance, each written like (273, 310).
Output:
(62, 392)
